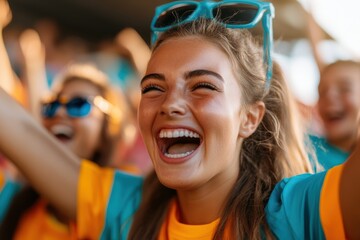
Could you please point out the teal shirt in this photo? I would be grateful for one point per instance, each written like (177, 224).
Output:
(292, 211)
(124, 200)
(327, 155)
(8, 191)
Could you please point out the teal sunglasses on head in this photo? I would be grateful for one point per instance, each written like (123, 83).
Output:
(230, 13)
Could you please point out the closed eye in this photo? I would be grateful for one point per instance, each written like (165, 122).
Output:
(151, 87)
(205, 85)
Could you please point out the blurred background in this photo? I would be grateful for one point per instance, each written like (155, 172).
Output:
(115, 36)
(94, 22)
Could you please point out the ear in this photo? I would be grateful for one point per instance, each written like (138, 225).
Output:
(251, 119)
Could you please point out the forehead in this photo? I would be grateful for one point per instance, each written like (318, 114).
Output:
(188, 51)
(80, 87)
(340, 74)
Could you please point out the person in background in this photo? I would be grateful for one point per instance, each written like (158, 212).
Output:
(124, 59)
(85, 115)
(338, 105)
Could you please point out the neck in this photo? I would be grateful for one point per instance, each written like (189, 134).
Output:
(204, 205)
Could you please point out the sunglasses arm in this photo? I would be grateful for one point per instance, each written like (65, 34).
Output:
(268, 46)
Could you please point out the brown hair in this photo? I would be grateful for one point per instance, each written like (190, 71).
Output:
(274, 151)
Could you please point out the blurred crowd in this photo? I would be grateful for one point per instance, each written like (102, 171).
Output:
(36, 57)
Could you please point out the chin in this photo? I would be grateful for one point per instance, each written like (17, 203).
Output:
(176, 181)
(178, 185)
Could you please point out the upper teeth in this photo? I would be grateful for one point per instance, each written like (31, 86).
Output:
(175, 133)
(61, 129)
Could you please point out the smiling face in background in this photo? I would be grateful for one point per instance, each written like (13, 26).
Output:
(339, 102)
(190, 113)
(80, 135)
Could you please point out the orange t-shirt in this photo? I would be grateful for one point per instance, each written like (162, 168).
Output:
(330, 210)
(38, 224)
(172, 229)
(330, 215)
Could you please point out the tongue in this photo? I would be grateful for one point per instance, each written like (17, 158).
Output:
(182, 148)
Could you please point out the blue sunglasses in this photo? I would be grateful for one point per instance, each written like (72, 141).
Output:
(230, 13)
(76, 107)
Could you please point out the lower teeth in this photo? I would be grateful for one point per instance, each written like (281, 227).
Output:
(179, 155)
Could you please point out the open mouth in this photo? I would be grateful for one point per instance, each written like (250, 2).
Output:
(62, 132)
(335, 117)
(178, 143)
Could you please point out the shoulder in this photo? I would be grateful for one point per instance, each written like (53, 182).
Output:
(295, 188)
(108, 184)
(107, 201)
(293, 208)
(108, 176)
(307, 207)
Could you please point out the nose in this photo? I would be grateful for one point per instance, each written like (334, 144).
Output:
(61, 112)
(174, 104)
(331, 94)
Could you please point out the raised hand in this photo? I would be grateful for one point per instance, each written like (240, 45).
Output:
(7, 78)
(5, 14)
(33, 53)
(130, 42)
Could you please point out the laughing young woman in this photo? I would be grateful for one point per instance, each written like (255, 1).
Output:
(218, 126)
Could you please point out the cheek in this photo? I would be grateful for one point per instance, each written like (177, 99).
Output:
(352, 102)
(146, 116)
(46, 123)
(219, 118)
(321, 101)
(89, 130)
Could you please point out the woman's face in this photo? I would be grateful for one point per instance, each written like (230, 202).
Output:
(80, 135)
(190, 114)
(339, 101)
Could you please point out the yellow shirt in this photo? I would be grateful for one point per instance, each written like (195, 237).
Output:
(38, 224)
(172, 229)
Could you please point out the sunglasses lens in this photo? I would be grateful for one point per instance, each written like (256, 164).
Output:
(49, 109)
(78, 107)
(236, 13)
(174, 15)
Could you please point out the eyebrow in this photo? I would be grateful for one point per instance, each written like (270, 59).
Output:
(190, 74)
(202, 72)
(152, 76)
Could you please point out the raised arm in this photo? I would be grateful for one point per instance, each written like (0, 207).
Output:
(34, 69)
(50, 168)
(130, 41)
(350, 193)
(315, 35)
(7, 77)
